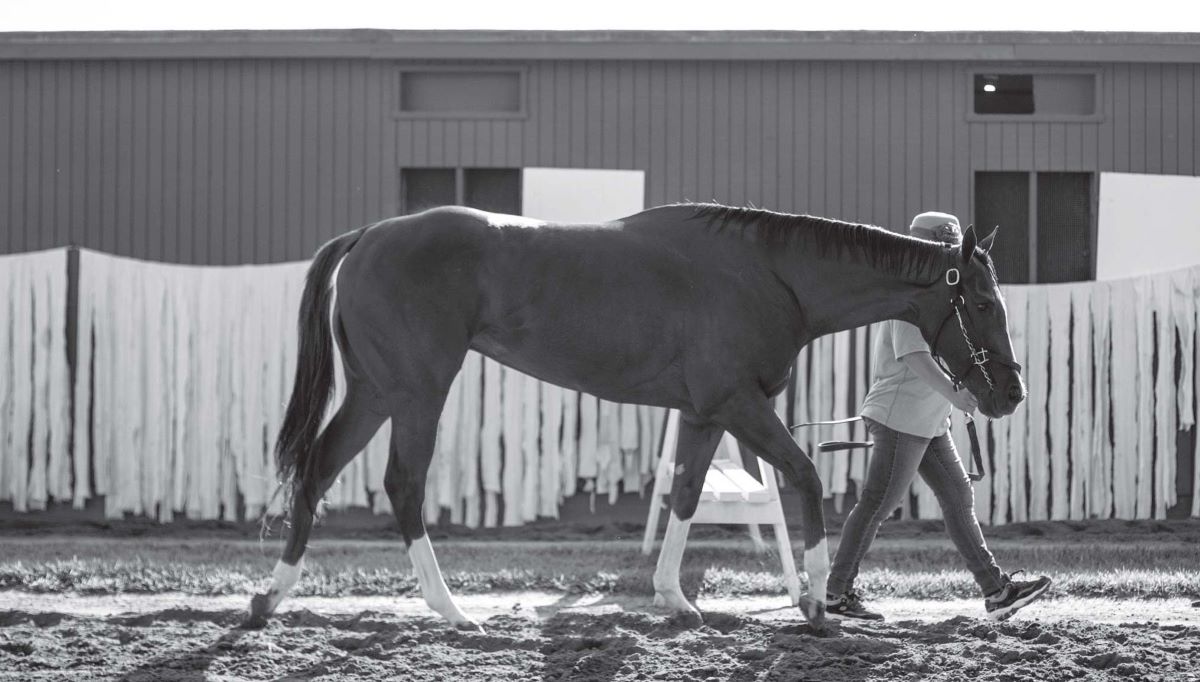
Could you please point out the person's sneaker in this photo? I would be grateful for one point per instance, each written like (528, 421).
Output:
(849, 605)
(1015, 595)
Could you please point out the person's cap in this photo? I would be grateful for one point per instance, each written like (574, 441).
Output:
(941, 227)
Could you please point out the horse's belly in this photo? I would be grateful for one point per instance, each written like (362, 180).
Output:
(608, 366)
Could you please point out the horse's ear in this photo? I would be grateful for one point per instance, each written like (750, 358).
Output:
(987, 242)
(968, 245)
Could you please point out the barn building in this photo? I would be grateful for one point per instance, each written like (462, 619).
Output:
(254, 147)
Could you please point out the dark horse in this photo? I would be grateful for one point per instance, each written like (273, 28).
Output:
(697, 307)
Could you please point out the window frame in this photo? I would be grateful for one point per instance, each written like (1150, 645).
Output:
(522, 72)
(1097, 115)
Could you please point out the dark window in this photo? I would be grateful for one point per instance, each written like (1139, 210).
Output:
(423, 188)
(488, 189)
(1003, 94)
(493, 189)
(1043, 94)
(461, 92)
(1064, 227)
(1002, 199)
(1060, 227)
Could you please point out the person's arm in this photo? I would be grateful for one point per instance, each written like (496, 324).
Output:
(922, 364)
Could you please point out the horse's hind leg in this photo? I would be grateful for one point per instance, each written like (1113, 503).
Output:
(356, 421)
(752, 420)
(693, 453)
(414, 430)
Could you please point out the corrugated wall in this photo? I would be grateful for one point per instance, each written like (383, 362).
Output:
(260, 160)
(193, 161)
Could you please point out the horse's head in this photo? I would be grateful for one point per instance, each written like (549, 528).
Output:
(966, 324)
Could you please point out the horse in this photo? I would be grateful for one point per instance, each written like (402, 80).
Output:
(701, 308)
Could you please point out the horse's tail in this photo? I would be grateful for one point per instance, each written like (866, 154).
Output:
(294, 461)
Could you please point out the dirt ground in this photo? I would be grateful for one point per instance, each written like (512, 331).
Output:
(530, 636)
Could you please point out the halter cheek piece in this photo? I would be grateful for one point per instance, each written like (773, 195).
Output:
(980, 356)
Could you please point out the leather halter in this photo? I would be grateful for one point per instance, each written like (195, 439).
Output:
(980, 355)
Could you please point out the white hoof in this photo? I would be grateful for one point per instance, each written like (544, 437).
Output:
(675, 602)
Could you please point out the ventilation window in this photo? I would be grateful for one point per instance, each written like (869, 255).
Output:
(1051, 243)
(470, 94)
(489, 189)
(1039, 95)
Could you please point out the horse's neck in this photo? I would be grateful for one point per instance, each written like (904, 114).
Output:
(837, 296)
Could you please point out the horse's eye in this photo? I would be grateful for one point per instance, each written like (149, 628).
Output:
(983, 307)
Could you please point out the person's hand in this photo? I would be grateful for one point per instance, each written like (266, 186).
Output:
(963, 400)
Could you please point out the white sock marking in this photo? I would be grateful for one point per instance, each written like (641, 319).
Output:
(816, 565)
(283, 579)
(433, 586)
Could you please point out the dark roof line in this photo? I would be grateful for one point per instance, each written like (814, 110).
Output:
(1031, 46)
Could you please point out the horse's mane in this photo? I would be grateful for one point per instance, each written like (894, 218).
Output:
(903, 255)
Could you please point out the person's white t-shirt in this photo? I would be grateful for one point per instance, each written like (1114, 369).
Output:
(898, 398)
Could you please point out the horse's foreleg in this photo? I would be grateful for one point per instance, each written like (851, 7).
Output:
(413, 439)
(346, 435)
(752, 420)
(695, 446)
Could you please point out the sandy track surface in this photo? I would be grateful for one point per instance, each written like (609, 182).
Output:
(529, 636)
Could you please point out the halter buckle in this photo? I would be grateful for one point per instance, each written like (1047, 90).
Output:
(954, 272)
(980, 357)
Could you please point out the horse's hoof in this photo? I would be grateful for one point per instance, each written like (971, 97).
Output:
(814, 612)
(680, 609)
(468, 626)
(258, 616)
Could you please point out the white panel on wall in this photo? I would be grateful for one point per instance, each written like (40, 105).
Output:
(582, 195)
(1147, 224)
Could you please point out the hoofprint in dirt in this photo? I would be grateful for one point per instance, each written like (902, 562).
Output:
(537, 635)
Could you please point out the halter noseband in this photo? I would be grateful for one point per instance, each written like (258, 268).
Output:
(980, 355)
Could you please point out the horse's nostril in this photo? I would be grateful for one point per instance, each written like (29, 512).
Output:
(1015, 392)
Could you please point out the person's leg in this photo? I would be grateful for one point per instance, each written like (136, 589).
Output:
(892, 467)
(943, 471)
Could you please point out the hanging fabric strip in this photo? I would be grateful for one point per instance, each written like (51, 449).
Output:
(1017, 438)
(1127, 321)
(843, 391)
(1081, 456)
(1144, 474)
(1183, 311)
(570, 443)
(1058, 406)
(1165, 417)
(1100, 495)
(551, 460)
(8, 269)
(1037, 336)
(513, 475)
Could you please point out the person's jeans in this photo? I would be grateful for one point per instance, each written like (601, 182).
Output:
(896, 459)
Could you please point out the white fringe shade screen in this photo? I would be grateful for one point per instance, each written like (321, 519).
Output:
(35, 420)
(183, 373)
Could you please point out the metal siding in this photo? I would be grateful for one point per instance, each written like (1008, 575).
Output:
(770, 134)
(787, 135)
(817, 168)
(1153, 123)
(1170, 163)
(722, 140)
(234, 160)
(1187, 119)
(834, 143)
(688, 133)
